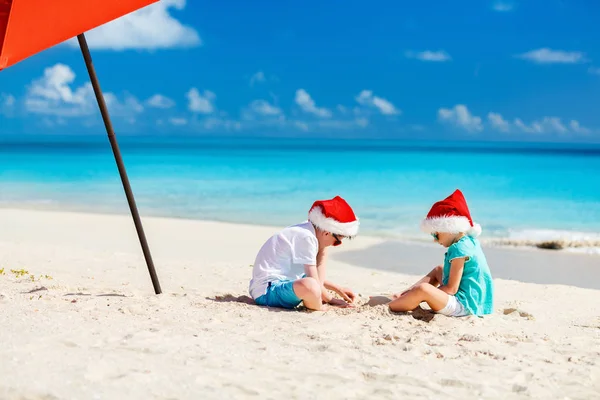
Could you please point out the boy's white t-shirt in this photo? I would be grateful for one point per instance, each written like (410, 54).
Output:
(283, 257)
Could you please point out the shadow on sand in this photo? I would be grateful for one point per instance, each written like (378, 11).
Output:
(229, 298)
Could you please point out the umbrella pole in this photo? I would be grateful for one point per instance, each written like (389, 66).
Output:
(117, 153)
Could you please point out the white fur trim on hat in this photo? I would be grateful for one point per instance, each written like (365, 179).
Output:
(450, 224)
(324, 223)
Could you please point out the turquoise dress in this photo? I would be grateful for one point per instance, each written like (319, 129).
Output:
(476, 289)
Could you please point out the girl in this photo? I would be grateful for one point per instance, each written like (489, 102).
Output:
(463, 285)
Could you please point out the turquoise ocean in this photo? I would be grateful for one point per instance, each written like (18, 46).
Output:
(514, 190)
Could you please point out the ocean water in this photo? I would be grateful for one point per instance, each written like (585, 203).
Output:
(513, 190)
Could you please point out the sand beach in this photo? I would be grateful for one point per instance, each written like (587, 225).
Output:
(80, 319)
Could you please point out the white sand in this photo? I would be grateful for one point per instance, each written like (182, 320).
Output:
(97, 331)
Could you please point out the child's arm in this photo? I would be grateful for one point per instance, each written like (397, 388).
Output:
(456, 270)
(322, 273)
(318, 272)
(434, 278)
(345, 293)
(327, 285)
(321, 264)
(311, 271)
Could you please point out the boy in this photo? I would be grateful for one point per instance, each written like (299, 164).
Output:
(290, 267)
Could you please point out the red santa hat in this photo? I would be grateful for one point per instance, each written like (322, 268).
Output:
(335, 216)
(451, 215)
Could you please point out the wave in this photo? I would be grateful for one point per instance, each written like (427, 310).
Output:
(572, 241)
(587, 242)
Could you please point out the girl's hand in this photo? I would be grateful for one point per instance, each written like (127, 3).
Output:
(397, 295)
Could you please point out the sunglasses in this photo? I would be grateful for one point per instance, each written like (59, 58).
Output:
(435, 236)
(338, 241)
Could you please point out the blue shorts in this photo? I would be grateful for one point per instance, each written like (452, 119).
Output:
(279, 294)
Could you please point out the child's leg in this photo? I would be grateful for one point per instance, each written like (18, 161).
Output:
(411, 299)
(309, 290)
(289, 294)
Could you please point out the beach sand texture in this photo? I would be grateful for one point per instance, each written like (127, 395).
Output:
(80, 320)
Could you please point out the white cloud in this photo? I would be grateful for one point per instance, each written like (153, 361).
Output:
(498, 122)
(460, 116)
(160, 101)
(545, 125)
(127, 108)
(262, 114)
(549, 56)
(431, 56)
(535, 127)
(594, 71)
(342, 109)
(503, 6)
(178, 121)
(52, 94)
(307, 104)
(366, 98)
(554, 124)
(201, 102)
(151, 28)
(258, 77)
(577, 128)
(264, 108)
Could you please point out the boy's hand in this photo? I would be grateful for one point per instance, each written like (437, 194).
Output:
(347, 294)
(339, 303)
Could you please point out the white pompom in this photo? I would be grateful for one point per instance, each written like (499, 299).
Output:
(474, 231)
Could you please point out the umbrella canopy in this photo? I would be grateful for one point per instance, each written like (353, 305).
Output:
(30, 26)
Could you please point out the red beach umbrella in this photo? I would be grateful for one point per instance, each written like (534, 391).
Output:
(28, 27)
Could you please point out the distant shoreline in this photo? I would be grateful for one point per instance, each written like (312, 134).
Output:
(317, 144)
(581, 242)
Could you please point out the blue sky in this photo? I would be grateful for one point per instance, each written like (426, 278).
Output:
(459, 70)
